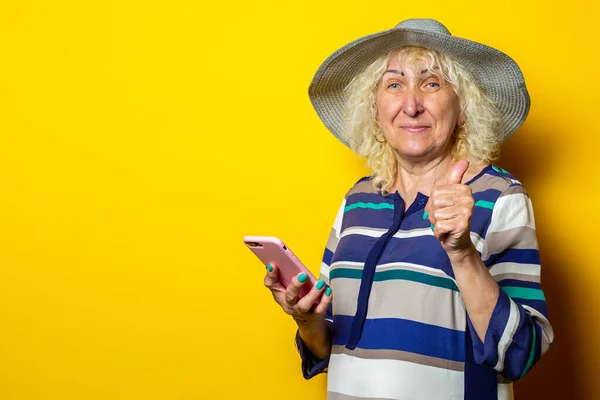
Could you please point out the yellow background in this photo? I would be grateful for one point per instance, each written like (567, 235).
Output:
(141, 140)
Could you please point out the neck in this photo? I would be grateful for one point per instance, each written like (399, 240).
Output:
(420, 177)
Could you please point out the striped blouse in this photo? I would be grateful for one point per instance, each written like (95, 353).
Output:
(400, 328)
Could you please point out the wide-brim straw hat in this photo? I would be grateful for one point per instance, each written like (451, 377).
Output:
(495, 73)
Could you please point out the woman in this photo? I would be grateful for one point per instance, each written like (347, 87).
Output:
(430, 282)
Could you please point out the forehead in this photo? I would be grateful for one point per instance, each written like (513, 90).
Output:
(406, 62)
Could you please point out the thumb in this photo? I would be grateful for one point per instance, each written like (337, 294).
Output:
(457, 172)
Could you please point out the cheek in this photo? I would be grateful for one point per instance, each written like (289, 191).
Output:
(454, 114)
(387, 109)
(446, 115)
(443, 105)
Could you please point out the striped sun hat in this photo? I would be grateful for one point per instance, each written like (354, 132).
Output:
(495, 73)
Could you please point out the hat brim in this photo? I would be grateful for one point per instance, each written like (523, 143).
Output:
(494, 72)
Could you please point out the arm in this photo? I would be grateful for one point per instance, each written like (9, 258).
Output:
(450, 209)
(500, 288)
(313, 338)
(315, 347)
(317, 339)
(518, 332)
(309, 312)
(477, 287)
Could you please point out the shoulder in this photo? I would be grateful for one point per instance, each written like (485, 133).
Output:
(494, 182)
(500, 199)
(363, 186)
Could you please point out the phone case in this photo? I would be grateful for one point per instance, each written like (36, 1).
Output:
(270, 249)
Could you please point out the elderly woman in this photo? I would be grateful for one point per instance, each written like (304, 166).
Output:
(430, 281)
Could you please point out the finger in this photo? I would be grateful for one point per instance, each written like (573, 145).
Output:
(440, 229)
(457, 172)
(453, 226)
(293, 289)
(428, 214)
(326, 299)
(448, 190)
(454, 211)
(441, 200)
(450, 195)
(445, 196)
(438, 206)
(272, 277)
(312, 297)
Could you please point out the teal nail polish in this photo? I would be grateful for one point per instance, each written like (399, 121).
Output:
(432, 227)
(270, 268)
(302, 277)
(328, 292)
(320, 284)
(425, 215)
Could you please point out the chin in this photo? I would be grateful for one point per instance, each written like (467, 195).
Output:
(413, 153)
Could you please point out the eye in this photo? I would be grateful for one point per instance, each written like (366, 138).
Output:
(431, 85)
(393, 86)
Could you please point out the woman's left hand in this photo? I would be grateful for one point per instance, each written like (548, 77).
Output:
(450, 207)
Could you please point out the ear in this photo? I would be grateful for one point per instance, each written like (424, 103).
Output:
(377, 116)
(461, 120)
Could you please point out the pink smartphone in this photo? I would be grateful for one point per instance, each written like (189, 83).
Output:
(270, 249)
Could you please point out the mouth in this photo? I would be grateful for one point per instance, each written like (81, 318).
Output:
(415, 128)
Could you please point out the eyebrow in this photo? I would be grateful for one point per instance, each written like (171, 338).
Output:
(401, 73)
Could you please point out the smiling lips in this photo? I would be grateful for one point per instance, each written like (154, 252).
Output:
(415, 128)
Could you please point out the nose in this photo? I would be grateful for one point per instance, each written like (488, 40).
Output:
(412, 105)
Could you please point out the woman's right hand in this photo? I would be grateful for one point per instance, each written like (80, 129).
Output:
(309, 311)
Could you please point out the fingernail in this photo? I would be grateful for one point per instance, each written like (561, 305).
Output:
(432, 227)
(320, 284)
(425, 215)
(302, 277)
(328, 292)
(270, 268)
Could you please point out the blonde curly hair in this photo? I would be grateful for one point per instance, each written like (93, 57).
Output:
(476, 140)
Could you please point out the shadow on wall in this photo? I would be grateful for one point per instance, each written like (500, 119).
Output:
(558, 374)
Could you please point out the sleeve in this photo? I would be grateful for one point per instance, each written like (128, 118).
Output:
(519, 332)
(311, 365)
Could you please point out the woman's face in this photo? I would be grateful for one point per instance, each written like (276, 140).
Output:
(416, 110)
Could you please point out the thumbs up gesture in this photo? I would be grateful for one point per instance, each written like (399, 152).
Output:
(450, 207)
